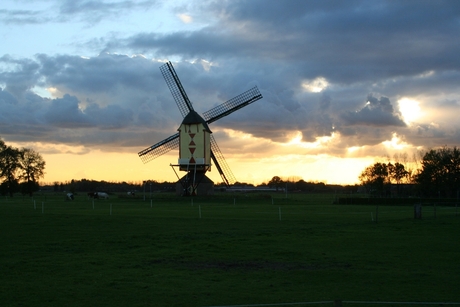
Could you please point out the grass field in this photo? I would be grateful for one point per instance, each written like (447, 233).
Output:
(229, 250)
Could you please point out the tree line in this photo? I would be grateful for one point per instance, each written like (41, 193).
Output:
(437, 175)
(88, 185)
(20, 170)
(296, 183)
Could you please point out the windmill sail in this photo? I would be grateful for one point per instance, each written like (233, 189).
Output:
(160, 148)
(223, 110)
(175, 86)
(221, 164)
(232, 105)
(184, 105)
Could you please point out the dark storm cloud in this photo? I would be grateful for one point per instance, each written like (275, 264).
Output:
(97, 74)
(393, 49)
(376, 112)
(359, 41)
(101, 95)
(6, 98)
(278, 115)
(20, 79)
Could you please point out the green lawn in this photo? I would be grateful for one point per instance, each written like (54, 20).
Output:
(242, 250)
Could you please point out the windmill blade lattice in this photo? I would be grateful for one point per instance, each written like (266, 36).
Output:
(160, 148)
(175, 86)
(221, 164)
(232, 105)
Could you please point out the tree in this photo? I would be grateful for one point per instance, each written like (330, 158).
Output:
(375, 177)
(397, 173)
(9, 166)
(275, 181)
(32, 169)
(440, 172)
(15, 165)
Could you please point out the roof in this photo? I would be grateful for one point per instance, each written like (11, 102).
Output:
(194, 118)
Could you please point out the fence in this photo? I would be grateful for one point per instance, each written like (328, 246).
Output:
(340, 303)
(258, 206)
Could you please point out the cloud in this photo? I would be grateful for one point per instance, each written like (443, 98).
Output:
(64, 113)
(22, 17)
(354, 43)
(88, 11)
(6, 98)
(21, 77)
(314, 62)
(94, 11)
(376, 112)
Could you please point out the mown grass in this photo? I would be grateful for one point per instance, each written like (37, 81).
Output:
(241, 251)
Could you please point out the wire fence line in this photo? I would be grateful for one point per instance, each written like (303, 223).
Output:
(237, 206)
(340, 303)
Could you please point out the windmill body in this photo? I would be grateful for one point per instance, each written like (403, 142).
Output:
(194, 144)
(197, 147)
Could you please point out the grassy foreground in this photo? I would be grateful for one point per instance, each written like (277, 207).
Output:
(228, 251)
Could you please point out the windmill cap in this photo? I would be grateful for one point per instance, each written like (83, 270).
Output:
(194, 118)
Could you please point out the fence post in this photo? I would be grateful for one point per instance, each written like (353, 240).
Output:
(456, 203)
(377, 213)
(418, 211)
(337, 303)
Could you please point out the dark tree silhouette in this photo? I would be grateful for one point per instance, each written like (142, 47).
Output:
(440, 172)
(276, 181)
(375, 178)
(16, 165)
(9, 167)
(32, 169)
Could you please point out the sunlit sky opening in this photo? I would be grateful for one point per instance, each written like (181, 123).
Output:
(395, 142)
(316, 85)
(410, 110)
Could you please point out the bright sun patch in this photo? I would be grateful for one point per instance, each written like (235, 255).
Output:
(410, 110)
(320, 141)
(395, 143)
(354, 149)
(185, 18)
(316, 85)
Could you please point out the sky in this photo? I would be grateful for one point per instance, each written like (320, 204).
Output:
(345, 84)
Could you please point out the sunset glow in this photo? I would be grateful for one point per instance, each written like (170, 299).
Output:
(127, 167)
(83, 87)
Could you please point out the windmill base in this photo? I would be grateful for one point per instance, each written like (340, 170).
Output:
(194, 184)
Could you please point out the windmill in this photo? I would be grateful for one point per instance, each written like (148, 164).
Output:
(197, 146)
